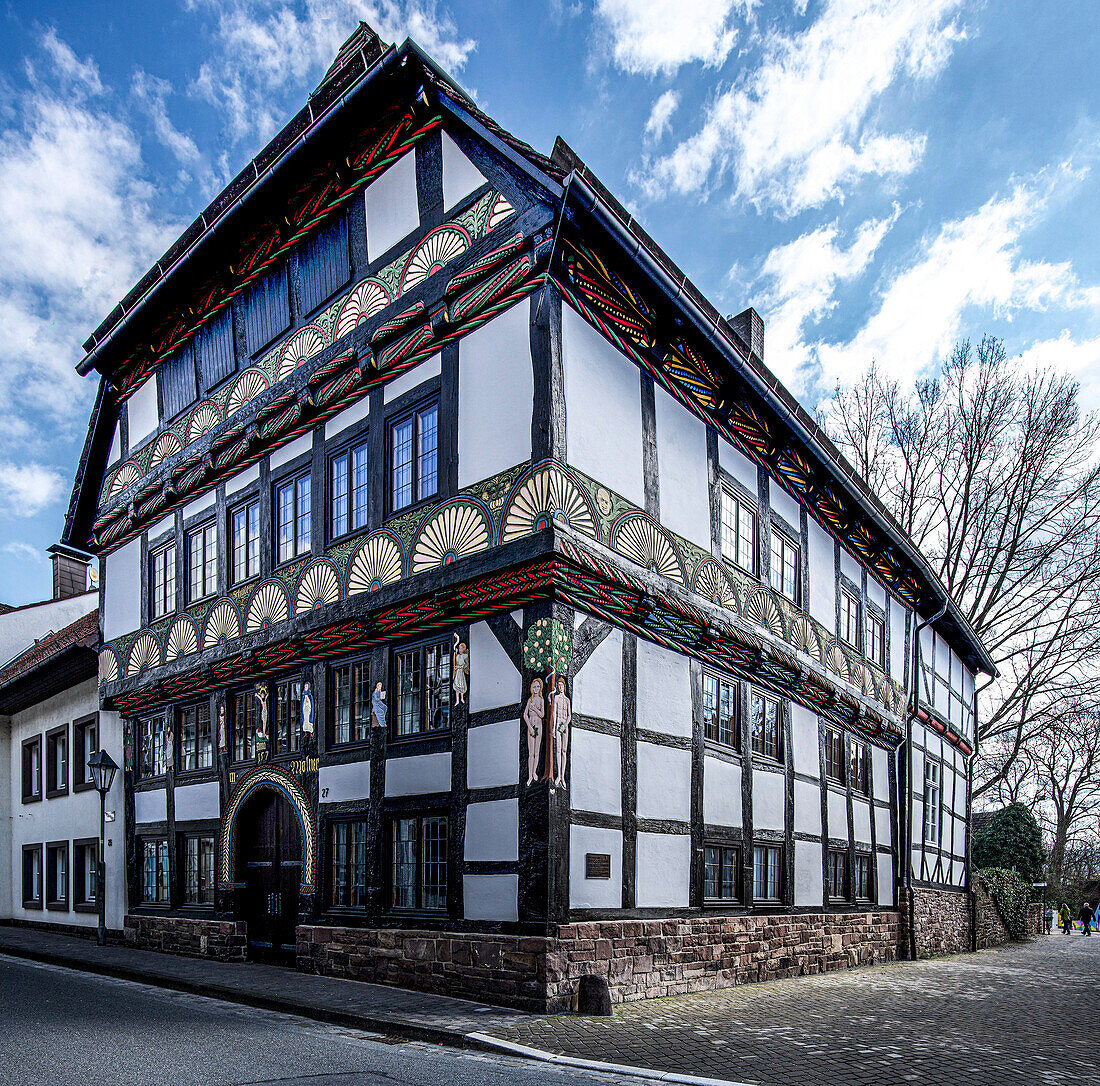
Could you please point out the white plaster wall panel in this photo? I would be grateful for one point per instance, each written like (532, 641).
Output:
(664, 691)
(142, 413)
(460, 175)
(425, 371)
(959, 847)
(115, 454)
(682, 465)
(150, 806)
(838, 815)
(883, 832)
(769, 804)
(664, 782)
(392, 209)
(242, 480)
(721, 792)
(341, 783)
(808, 884)
(496, 393)
(347, 418)
(933, 744)
(121, 592)
(492, 830)
(492, 755)
(739, 466)
(595, 774)
(419, 774)
(861, 822)
(876, 594)
(663, 870)
(897, 640)
(194, 801)
(885, 880)
(200, 504)
(880, 773)
(805, 743)
(598, 687)
(783, 504)
(920, 872)
(807, 807)
(292, 450)
(918, 820)
(494, 680)
(162, 527)
(490, 897)
(821, 572)
(850, 567)
(585, 893)
(603, 409)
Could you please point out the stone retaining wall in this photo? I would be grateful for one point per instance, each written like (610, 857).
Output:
(991, 930)
(223, 940)
(1035, 918)
(942, 921)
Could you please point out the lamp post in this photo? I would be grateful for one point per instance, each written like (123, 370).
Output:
(103, 770)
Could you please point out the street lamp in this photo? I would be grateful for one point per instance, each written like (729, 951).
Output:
(103, 770)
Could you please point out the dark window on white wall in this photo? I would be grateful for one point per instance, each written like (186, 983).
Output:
(288, 715)
(196, 741)
(266, 310)
(423, 688)
(414, 457)
(293, 504)
(419, 872)
(861, 877)
(766, 731)
(720, 703)
(85, 872)
(875, 645)
(349, 865)
(57, 875)
(931, 800)
(32, 769)
(85, 744)
(351, 702)
(834, 755)
(861, 769)
(198, 870)
(350, 490)
(217, 358)
(245, 527)
(838, 874)
(32, 876)
(154, 871)
(57, 761)
(162, 580)
(738, 531)
(323, 264)
(767, 869)
(721, 873)
(785, 566)
(202, 561)
(177, 381)
(849, 619)
(151, 740)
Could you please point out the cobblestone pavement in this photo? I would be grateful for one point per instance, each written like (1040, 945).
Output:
(1019, 1014)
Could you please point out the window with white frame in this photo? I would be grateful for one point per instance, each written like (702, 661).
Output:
(738, 531)
(849, 619)
(931, 800)
(162, 580)
(767, 866)
(785, 566)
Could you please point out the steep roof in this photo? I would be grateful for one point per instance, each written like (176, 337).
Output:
(54, 663)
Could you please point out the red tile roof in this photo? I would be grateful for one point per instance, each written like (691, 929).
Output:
(84, 631)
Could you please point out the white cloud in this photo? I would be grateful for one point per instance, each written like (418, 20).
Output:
(646, 37)
(797, 131)
(78, 226)
(974, 261)
(26, 489)
(660, 116)
(1079, 357)
(151, 94)
(24, 552)
(269, 51)
(797, 286)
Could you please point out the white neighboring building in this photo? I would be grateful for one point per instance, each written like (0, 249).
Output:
(49, 725)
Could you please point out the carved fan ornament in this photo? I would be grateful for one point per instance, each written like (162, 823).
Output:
(835, 660)
(108, 665)
(299, 349)
(223, 624)
(639, 538)
(318, 586)
(182, 640)
(437, 250)
(203, 419)
(144, 653)
(378, 561)
(165, 446)
(804, 638)
(712, 582)
(762, 609)
(267, 606)
(450, 533)
(125, 475)
(548, 494)
(245, 389)
(368, 298)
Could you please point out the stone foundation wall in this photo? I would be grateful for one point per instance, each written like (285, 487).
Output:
(991, 930)
(942, 921)
(1035, 918)
(645, 959)
(504, 969)
(223, 940)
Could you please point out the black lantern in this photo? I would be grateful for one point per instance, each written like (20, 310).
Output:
(103, 769)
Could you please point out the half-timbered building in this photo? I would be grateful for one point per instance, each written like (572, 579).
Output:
(470, 586)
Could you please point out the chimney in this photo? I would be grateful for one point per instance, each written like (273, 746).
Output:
(749, 328)
(70, 571)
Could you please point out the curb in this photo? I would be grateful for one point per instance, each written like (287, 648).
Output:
(486, 1041)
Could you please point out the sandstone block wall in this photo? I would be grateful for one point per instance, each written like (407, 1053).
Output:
(223, 940)
(942, 921)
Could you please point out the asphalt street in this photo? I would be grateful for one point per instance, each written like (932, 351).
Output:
(64, 1027)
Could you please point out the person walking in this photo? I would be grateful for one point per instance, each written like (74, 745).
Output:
(1085, 916)
(1065, 918)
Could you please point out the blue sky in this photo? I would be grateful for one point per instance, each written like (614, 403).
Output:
(876, 177)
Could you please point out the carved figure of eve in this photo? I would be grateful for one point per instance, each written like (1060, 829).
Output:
(561, 714)
(223, 730)
(261, 730)
(307, 708)
(378, 707)
(534, 714)
(461, 671)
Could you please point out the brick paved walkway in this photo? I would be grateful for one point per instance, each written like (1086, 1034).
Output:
(997, 1017)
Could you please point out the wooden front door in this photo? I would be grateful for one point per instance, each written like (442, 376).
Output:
(270, 855)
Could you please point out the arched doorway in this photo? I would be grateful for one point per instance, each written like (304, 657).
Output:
(269, 873)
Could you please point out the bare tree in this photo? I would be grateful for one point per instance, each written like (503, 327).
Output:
(992, 473)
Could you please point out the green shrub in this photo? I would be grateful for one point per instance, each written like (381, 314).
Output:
(1012, 839)
(1011, 895)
